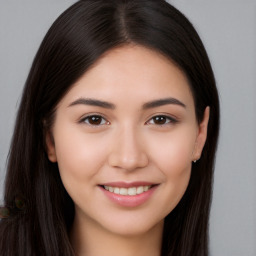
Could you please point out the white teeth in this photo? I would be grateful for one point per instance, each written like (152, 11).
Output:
(146, 188)
(132, 191)
(140, 190)
(128, 191)
(123, 191)
(116, 190)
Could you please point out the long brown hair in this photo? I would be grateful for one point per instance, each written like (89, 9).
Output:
(38, 212)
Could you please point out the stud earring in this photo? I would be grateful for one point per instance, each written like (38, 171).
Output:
(195, 160)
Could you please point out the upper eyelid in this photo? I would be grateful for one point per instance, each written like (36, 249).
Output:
(82, 120)
(90, 115)
(172, 119)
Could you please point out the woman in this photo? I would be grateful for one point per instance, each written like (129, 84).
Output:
(115, 138)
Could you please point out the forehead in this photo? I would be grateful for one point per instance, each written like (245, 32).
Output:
(134, 72)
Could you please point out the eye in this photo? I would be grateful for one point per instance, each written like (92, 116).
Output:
(95, 120)
(162, 120)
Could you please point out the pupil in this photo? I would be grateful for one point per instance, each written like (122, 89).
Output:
(160, 120)
(95, 120)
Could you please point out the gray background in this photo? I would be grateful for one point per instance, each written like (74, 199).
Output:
(228, 29)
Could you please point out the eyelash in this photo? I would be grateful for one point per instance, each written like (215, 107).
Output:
(170, 120)
(83, 120)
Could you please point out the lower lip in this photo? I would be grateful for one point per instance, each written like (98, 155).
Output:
(129, 201)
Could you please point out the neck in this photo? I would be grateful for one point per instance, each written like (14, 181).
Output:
(91, 240)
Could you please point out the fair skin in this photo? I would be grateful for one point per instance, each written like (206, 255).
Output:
(126, 142)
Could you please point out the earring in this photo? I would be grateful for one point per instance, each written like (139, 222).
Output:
(195, 160)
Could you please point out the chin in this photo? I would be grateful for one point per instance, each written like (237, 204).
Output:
(133, 228)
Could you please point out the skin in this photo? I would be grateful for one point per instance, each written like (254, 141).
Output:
(127, 144)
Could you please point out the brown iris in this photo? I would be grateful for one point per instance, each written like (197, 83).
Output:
(94, 120)
(160, 120)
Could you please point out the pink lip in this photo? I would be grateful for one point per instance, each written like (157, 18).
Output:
(129, 201)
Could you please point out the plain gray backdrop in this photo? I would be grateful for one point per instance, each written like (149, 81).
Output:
(228, 30)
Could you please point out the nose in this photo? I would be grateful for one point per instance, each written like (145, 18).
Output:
(128, 151)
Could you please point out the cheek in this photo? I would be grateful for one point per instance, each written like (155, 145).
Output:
(80, 159)
(79, 156)
(172, 155)
(173, 152)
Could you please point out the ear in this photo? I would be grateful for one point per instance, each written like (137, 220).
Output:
(51, 152)
(202, 135)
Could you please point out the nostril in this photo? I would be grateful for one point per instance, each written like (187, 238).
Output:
(122, 161)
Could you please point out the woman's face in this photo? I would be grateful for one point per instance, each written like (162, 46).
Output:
(124, 138)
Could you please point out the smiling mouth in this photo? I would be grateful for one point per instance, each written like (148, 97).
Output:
(132, 191)
(131, 194)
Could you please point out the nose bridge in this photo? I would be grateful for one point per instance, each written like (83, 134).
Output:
(128, 151)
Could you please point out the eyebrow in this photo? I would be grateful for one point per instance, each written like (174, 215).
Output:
(108, 105)
(162, 102)
(93, 102)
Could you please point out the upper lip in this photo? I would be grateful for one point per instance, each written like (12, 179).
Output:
(122, 184)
